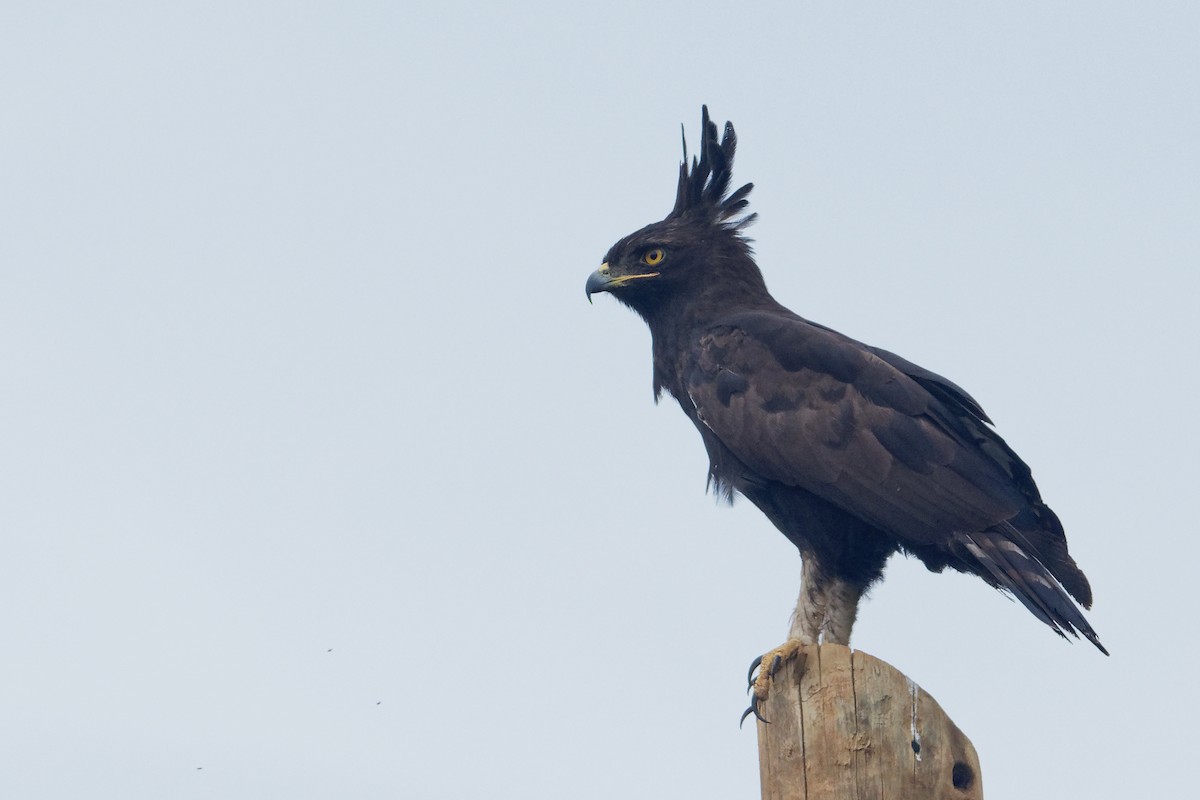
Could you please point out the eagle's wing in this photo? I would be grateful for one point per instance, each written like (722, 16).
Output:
(886, 441)
(804, 406)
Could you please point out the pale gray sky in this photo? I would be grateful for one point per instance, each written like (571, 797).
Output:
(318, 473)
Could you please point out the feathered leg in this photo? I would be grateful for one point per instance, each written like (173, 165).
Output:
(811, 606)
(825, 611)
(841, 609)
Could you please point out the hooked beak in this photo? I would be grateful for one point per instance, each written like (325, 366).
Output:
(602, 280)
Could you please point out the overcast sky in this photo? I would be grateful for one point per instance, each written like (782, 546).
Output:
(320, 478)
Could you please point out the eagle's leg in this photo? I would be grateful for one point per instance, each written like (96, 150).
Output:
(841, 609)
(812, 605)
(825, 611)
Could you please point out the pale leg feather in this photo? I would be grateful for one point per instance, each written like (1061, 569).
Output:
(826, 608)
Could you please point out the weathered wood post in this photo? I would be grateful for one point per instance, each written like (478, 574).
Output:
(844, 725)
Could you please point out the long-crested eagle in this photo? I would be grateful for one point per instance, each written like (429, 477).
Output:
(853, 452)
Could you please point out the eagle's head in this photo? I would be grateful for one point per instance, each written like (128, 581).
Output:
(698, 246)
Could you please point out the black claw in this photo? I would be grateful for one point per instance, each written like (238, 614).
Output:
(755, 664)
(753, 709)
(776, 663)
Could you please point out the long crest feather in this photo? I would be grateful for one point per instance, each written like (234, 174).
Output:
(702, 188)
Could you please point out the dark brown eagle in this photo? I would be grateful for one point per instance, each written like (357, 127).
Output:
(853, 452)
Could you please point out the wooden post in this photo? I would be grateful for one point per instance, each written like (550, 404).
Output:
(844, 725)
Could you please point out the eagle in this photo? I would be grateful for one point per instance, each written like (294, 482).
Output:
(853, 452)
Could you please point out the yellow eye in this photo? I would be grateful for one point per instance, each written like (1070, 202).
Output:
(654, 257)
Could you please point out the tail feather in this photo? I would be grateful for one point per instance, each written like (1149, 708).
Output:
(1013, 569)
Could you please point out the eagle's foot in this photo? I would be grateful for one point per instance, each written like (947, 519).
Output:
(767, 666)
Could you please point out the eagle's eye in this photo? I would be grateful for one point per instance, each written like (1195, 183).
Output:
(654, 257)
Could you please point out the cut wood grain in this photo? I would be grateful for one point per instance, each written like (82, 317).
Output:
(844, 725)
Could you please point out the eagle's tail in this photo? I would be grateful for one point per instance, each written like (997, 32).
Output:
(1013, 569)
